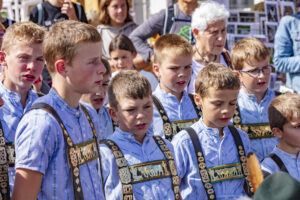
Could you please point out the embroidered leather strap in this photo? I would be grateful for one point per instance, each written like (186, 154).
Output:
(171, 165)
(142, 172)
(242, 154)
(254, 131)
(4, 178)
(73, 151)
(168, 126)
(210, 192)
(206, 178)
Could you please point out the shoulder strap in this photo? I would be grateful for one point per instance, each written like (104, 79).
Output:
(169, 18)
(171, 165)
(4, 178)
(123, 169)
(40, 14)
(210, 192)
(78, 8)
(78, 195)
(168, 130)
(278, 161)
(237, 120)
(241, 151)
(227, 58)
(198, 111)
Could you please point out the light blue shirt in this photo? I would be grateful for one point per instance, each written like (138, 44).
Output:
(10, 115)
(291, 162)
(40, 147)
(104, 120)
(252, 112)
(287, 49)
(216, 152)
(134, 153)
(174, 109)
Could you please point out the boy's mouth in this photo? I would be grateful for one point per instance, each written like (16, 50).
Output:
(29, 77)
(225, 119)
(181, 83)
(98, 100)
(141, 126)
(261, 84)
(98, 82)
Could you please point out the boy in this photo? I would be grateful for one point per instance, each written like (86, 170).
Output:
(250, 58)
(210, 155)
(284, 117)
(60, 159)
(96, 100)
(21, 57)
(136, 164)
(175, 109)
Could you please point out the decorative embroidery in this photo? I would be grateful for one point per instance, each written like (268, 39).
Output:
(255, 130)
(142, 172)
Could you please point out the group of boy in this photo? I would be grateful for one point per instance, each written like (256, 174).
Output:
(171, 154)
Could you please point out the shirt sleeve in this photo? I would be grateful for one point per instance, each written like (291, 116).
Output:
(285, 59)
(36, 141)
(149, 28)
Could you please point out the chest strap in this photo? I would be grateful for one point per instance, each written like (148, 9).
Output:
(4, 164)
(147, 171)
(219, 173)
(255, 130)
(278, 162)
(77, 154)
(172, 128)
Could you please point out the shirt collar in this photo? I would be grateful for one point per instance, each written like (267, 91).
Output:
(165, 94)
(211, 132)
(59, 102)
(285, 154)
(243, 93)
(130, 136)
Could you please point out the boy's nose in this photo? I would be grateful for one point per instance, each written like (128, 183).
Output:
(101, 69)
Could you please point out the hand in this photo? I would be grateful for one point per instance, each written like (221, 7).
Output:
(68, 9)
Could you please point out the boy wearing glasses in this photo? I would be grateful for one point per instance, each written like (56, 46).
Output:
(250, 58)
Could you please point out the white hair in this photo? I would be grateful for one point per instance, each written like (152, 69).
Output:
(207, 13)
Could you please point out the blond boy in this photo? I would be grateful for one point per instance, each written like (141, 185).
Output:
(284, 117)
(250, 58)
(56, 141)
(174, 107)
(22, 60)
(210, 155)
(136, 164)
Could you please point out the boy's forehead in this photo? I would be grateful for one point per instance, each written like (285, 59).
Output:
(215, 93)
(257, 63)
(23, 45)
(176, 59)
(126, 98)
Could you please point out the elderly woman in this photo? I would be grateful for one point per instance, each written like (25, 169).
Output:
(209, 22)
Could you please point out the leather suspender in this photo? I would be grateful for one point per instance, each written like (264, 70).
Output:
(73, 162)
(4, 178)
(167, 125)
(279, 162)
(203, 170)
(128, 178)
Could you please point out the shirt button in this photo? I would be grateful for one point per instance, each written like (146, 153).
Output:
(77, 114)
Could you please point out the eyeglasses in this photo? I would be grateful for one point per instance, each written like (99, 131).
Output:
(255, 72)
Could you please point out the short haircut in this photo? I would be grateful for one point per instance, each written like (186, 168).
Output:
(62, 40)
(171, 44)
(283, 109)
(104, 17)
(207, 13)
(121, 42)
(107, 67)
(216, 76)
(246, 50)
(22, 31)
(129, 84)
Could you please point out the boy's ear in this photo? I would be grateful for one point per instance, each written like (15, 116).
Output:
(277, 132)
(2, 58)
(197, 100)
(60, 66)
(112, 113)
(156, 70)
